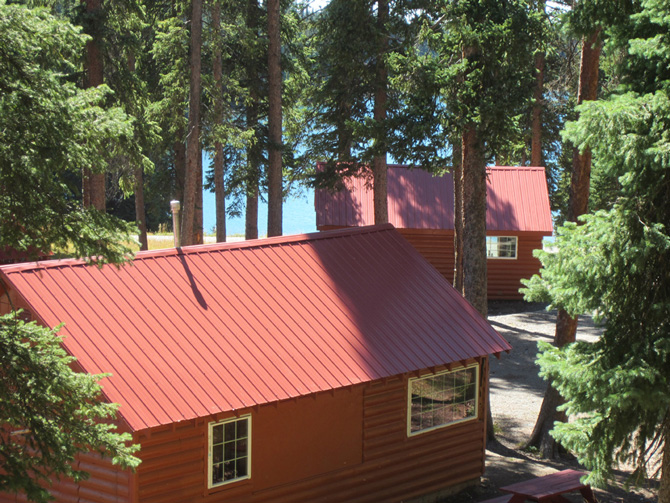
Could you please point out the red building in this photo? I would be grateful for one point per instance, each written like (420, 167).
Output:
(421, 207)
(337, 366)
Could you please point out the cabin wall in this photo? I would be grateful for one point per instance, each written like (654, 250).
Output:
(503, 275)
(436, 246)
(344, 445)
(108, 483)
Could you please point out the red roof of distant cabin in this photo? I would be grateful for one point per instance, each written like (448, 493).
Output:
(517, 200)
(204, 329)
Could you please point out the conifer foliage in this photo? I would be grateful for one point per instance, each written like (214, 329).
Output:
(617, 265)
(49, 413)
(50, 130)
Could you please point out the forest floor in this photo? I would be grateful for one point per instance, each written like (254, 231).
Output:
(516, 397)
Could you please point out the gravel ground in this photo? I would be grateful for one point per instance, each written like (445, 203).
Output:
(516, 396)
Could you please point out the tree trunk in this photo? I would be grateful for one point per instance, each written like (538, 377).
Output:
(664, 487)
(274, 121)
(457, 158)
(379, 168)
(93, 184)
(474, 221)
(566, 326)
(474, 235)
(217, 70)
(140, 213)
(198, 236)
(179, 164)
(193, 135)
(536, 120)
(253, 153)
(581, 163)
(538, 104)
(251, 213)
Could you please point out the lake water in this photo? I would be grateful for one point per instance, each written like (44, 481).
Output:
(299, 216)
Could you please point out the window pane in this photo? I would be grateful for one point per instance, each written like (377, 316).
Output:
(501, 246)
(241, 448)
(426, 420)
(217, 454)
(217, 434)
(230, 451)
(230, 431)
(470, 392)
(242, 429)
(471, 375)
(471, 408)
(229, 470)
(441, 399)
(217, 474)
(241, 465)
(458, 412)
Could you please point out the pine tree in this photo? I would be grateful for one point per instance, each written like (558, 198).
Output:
(50, 130)
(468, 76)
(355, 97)
(189, 230)
(616, 265)
(275, 189)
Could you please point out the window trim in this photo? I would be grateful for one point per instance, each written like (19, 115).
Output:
(411, 433)
(210, 458)
(516, 248)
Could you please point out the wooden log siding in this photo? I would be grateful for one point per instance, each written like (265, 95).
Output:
(504, 275)
(107, 484)
(436, 245)
(389, 467)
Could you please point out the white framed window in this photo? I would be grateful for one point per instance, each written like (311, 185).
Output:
(501, 247)
(441, 399)
(229, 451)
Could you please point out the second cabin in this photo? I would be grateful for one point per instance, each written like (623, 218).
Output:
(421, 207)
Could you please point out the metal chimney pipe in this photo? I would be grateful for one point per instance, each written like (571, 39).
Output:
(175, 206)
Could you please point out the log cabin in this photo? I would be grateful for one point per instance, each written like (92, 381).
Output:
(421, 207)
(327, 367)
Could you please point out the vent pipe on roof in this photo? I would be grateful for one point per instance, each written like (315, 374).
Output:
(175, 206)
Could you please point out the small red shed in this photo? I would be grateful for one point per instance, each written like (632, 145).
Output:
(336, 366)
(421, 207)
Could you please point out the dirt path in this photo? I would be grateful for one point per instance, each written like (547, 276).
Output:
(516, 396)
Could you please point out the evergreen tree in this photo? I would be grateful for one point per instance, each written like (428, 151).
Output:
(190, 232)
(355, 99)
(275, 145)
(217, 69)
(616, 265)
(50, 130)
(469, 77)
(590, 26)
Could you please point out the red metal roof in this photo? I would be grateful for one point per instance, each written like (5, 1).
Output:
(517, 200)
(204, 329)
